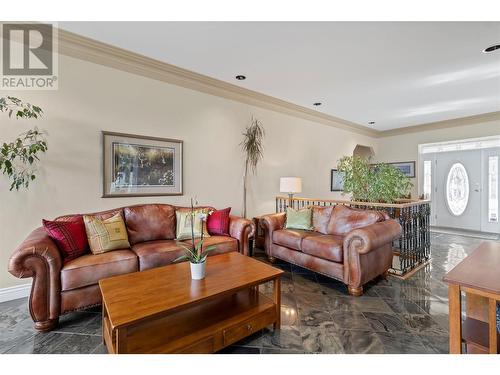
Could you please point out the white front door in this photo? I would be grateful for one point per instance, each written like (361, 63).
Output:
(458, 189)
(462, 181)
(490, 202)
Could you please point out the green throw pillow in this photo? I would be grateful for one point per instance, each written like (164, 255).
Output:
(298, 219)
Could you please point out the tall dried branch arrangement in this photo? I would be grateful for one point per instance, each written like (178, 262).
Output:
(252, 146)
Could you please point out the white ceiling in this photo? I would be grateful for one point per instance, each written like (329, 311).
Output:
(397, 74)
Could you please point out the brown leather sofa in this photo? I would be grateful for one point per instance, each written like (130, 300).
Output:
(353, 246)
(61, 288)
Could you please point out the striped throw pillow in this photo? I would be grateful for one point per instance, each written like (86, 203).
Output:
(218, 222)
(69, 236)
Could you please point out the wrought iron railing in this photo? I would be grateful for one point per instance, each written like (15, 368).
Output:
(411, 249)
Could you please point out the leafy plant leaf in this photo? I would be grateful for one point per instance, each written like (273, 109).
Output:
(18, 158)
(373, 183)
(178, 259)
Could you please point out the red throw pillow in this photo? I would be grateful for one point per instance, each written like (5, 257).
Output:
(218, 222)
(69, 236)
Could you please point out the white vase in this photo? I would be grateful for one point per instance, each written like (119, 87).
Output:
(198, 270)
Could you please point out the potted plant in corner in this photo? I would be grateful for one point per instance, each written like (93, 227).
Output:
(378, 183)
(195, 253)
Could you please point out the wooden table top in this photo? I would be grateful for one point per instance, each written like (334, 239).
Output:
(140, 295)
(480, 270)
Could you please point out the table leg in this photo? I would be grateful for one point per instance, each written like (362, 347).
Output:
(104, 314)
(493, 325)
(121, 340)
(277, 302)
(455, 312)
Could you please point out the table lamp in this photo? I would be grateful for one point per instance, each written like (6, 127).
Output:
(290, 185)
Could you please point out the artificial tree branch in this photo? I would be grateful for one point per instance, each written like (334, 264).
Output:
(18, 158)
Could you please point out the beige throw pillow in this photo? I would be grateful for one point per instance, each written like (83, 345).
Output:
(185, 223)
(106, 235)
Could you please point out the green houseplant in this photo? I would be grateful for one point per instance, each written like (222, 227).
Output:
(253, 148)
(373, 182)
(18, 158)
(195, 253)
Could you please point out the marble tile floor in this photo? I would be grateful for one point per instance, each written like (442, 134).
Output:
(318, 316)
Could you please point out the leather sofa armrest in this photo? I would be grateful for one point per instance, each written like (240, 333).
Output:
(372, 236)
(39, 258)
(241, 229)
(270, 223)
(368, 253)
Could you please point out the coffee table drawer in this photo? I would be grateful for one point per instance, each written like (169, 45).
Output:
(242, 330)
(200, 347)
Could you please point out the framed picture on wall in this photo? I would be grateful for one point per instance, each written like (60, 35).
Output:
(407, 167)
(336, 180)
(135, 165)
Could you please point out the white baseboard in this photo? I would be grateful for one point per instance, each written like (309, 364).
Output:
(15, 292)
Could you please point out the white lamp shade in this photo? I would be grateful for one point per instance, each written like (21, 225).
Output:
(290, 185)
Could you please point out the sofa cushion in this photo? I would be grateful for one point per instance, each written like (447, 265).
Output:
(326, 246)
(89, 269)
(345, 219)
(320, 218)
(292, 238)
(218, 222)
(150, 222)
(161, 253)
(187, 219)
(106, 235)
(158, 253)
(298, 219)
(223, 244)
(69, 236)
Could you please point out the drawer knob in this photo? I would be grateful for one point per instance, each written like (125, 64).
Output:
(249, 327)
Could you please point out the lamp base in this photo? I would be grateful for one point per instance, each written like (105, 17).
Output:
(290, 200)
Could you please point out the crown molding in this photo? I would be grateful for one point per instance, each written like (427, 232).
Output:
(452, 123)
(87, 49)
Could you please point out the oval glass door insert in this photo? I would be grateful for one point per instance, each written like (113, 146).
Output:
(457, 189)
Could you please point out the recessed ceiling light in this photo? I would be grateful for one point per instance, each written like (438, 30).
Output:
(317, 104)
(240, 77)
(371, 123)
(491, 48)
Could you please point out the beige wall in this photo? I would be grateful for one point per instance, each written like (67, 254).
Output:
(92, 98)
(405, 147)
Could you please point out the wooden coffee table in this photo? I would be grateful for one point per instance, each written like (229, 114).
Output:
(162, 310)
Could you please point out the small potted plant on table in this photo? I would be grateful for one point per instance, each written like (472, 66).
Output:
(195, 253)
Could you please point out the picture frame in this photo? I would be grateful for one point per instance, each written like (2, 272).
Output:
(407, 167)
(140, 166)
(336, 180)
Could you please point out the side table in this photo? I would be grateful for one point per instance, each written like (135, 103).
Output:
(477, 276)
(258, 238)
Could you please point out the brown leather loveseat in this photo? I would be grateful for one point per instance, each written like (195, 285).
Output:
(61, 288)
(353, 246)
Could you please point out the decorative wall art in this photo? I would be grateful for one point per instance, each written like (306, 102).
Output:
(407, 167)
(336, 180)
(135, 165)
